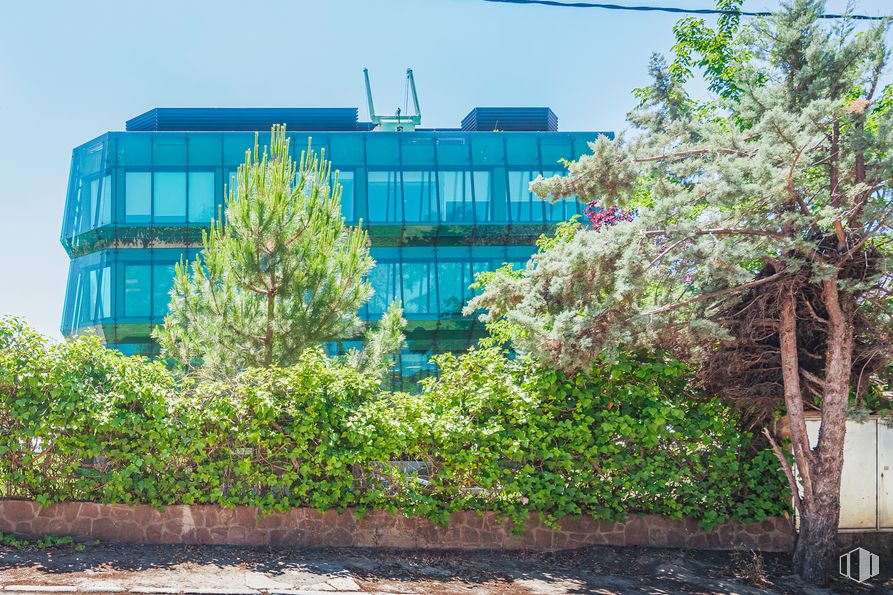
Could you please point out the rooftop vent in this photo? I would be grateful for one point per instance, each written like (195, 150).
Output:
(262, 118)
(511, 119)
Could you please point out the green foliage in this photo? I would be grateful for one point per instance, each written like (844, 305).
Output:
(805, 154)
(43, 543)
(282, 275)
(507, 435)
(715, 51)
(381, 342)
(81, 422)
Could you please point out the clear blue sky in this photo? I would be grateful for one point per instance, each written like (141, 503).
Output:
(70, 71)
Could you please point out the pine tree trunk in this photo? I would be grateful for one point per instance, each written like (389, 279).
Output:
(820, 468)
(816, 551)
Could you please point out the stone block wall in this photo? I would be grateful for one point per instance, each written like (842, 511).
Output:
(302, 527)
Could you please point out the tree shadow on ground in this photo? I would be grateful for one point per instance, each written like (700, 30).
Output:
(589, 570)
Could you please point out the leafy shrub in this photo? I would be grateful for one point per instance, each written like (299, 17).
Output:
(632, 436)
(81, 422)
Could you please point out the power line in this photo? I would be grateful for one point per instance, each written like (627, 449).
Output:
(676, 10)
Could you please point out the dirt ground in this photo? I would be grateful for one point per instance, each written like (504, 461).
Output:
(216, 569)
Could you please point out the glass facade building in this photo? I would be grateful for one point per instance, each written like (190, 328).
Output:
(440, 205)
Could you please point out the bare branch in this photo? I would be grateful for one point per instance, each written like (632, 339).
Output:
(695, 153)
(729, 231)
(812, 377)
(786, 467)
(714, 294)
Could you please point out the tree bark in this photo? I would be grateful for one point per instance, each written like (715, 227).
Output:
(793, 396)
(816, 550)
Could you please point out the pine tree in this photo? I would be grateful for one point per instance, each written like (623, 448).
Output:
(283, 274)
(760, 246)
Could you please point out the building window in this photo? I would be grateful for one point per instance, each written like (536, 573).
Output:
(93, 295)
(161, 288)
(348, 200)
(453, 279)
(137, 290)
(523, 205)
(105, 208)
(384, 278)
(201, 196)
(94, 204)
(419, 196)
(563, 209)
(137, 197)
(482, 209)
(169, 192)
(384, 196)
(465, 196)
(418, 288)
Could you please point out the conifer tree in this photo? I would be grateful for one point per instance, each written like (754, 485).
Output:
(760, 245)
(284, 272)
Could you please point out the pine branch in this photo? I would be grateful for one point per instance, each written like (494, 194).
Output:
(714, 294)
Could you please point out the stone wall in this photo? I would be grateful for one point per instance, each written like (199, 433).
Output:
(307, 528)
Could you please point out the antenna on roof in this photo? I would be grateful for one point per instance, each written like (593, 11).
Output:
(398, 122)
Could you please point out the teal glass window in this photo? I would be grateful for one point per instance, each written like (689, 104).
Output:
(419, 196)
(88, 297)
(482, 206)
(169, 191)
(465, 196)
(418, 288)
(94, 203)
(93, 295)
(104, 292)
(385, 280)
(137, 290)
(384, 196)
(457, 196)
(201, 196)
(105, 198)
(137, 197)
(523, 205)
(453, 279)
(161, 286)
(348, 199)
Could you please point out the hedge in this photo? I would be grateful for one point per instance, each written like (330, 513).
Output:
(81, 422)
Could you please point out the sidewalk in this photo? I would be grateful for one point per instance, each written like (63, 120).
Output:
(221, 570)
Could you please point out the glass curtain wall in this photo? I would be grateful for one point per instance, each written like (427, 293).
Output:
(138, 201)
(178, 178)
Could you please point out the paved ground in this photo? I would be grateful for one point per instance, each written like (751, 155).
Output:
(232, 570)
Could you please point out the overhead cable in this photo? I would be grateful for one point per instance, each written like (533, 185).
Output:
(677, 10)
